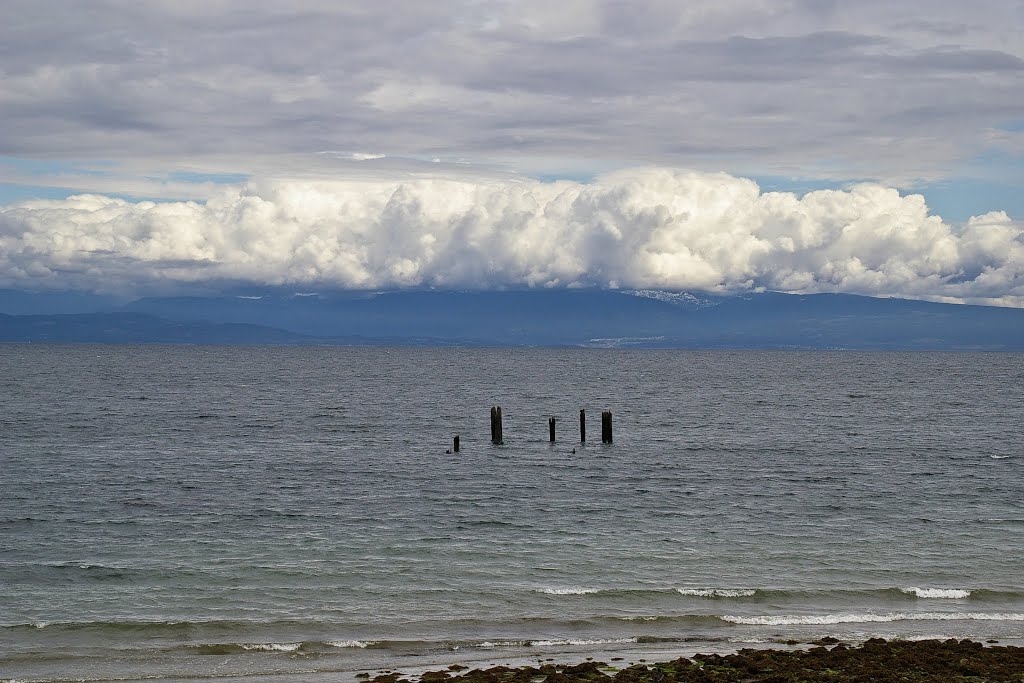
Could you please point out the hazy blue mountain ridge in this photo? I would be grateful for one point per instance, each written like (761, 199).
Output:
(588, 317)
(134, 328)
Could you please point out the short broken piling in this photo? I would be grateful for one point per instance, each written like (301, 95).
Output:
(551, 429)
(606, 426)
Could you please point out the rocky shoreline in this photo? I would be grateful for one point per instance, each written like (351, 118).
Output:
(957, 661)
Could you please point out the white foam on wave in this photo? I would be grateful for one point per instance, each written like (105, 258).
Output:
(555, 642)
(717, 592)
(568, 591)
(351, 643)
(272, 647)
(999, 457)
(503, 643)
(583, 641)
(948, 593)
(851, 618)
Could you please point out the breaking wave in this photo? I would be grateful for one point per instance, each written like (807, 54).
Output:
(555, 642)
(949, 593)
(853, 618)
(718, 592)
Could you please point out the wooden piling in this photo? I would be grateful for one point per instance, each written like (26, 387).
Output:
(455, 447)
(551, 429)
(583, 426)
(606, 426)
(496, 431)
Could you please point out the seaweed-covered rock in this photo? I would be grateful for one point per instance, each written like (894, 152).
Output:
(875, 661)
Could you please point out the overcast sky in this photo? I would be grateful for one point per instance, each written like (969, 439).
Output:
(383, 129)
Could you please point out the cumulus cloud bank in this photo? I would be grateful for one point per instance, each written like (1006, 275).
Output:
(651, 228)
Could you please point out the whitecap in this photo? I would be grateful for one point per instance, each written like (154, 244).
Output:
(948, 593)
(554, 642)
(853, 618)
(351, 643)
(583, 641)
(717, 592)
(272, 647)
(503, 643)
(569, 591)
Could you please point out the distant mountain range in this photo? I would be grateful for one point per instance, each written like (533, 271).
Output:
(567, 317)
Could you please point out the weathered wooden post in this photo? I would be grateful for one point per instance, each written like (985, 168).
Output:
(496, 435)
(606, 426)
(455, 447)
(583, 425)
(551, 429)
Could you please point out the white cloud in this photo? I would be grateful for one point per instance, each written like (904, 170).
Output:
(644, 228)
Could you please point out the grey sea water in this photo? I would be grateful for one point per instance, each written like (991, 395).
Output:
(292, 513)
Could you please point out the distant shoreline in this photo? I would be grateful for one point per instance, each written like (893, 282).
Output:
(585, 318)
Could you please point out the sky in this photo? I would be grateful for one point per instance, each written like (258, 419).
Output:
(729, 145)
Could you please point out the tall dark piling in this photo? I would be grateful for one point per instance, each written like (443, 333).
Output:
(551, 429)
(496, 435)
(455, 445)
(583, 426)
(606, 426)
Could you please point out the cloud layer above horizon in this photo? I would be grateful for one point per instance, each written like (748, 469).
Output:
(126, 92)
(639, 228)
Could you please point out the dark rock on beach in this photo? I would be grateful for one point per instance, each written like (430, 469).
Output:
(876, 660)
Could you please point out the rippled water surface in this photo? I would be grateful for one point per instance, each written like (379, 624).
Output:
(205, 511)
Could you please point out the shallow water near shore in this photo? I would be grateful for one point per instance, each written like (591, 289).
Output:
(198, 512)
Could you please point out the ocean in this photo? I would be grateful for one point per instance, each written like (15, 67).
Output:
(196, 512)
